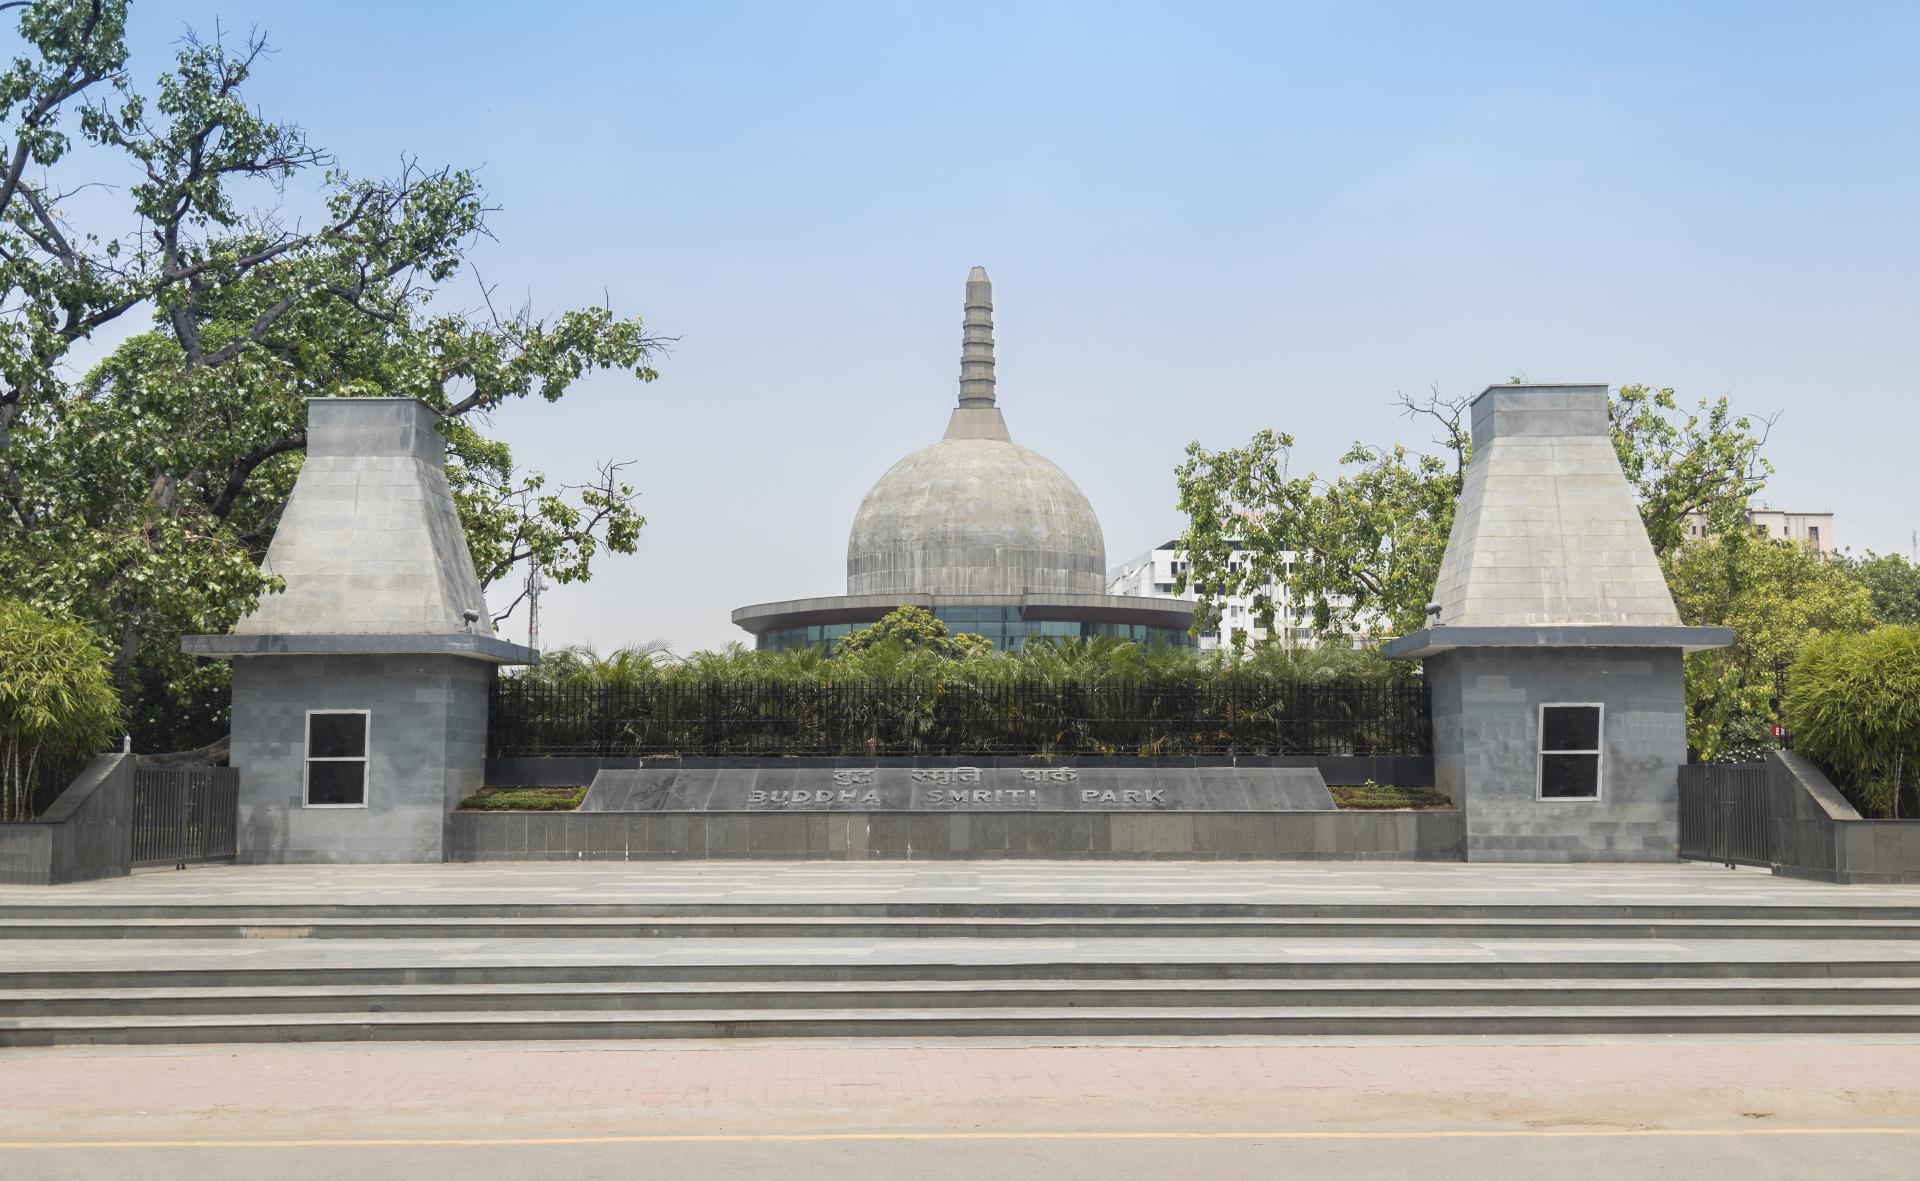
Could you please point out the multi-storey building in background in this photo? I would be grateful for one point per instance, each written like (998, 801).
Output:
(1814, 530)
(1154, 574)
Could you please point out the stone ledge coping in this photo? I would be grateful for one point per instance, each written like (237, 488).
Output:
(1039, 605)
(487, 648)
(1430, 641)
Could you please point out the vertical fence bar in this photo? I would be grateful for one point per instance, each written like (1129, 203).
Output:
(184, 814)
(1725, 816)
(855, 719)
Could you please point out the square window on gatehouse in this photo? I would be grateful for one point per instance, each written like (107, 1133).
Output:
(1570, 751)
(336, 765)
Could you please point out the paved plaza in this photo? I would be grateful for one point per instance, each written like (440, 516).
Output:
(973, 884)
(1066, 1104)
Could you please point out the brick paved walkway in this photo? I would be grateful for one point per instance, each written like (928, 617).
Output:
(544, 1089)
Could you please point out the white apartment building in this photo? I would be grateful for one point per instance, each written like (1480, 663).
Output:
(1153, 573)
(1814, 530)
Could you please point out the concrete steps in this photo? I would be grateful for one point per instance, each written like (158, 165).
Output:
(194, 973)
(496, 1025)
(831, 927)
(232, 912)
(969, 994)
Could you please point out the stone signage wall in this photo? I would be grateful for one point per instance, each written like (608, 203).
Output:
(577, 771)
(826, 785)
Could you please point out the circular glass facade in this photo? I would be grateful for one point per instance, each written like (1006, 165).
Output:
(1001, 626)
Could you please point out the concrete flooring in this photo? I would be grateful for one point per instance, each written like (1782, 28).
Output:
(1066, 1106)
(1683, 883)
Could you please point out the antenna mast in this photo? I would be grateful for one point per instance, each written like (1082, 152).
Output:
(535, 584)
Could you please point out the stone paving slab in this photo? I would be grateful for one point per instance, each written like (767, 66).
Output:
(273, 954)
(763, 882)
(1805, 990)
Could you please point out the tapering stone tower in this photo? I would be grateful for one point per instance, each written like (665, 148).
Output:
(1553, 649)
(990, 536)
(360, 690)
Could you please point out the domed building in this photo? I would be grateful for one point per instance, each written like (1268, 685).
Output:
(989, 536)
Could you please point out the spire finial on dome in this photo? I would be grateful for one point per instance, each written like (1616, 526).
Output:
(976, 342)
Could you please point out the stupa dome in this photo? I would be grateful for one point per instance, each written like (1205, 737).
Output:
(976, 513)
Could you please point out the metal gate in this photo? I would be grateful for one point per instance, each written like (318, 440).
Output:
(184, 814)
(1724, 815)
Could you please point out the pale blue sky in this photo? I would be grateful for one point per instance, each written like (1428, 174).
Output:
(1200, 219)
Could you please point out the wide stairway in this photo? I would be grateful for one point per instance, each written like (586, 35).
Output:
(152, 972)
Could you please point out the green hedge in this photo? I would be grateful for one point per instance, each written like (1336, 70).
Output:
(57, 704)
(1853, 705)
(524, 799)
(1386, 797)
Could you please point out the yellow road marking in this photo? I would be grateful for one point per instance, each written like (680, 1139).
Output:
(863, 1137)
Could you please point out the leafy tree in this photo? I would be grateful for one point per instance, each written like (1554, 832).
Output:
(1892, 581)
(143, 493)
(913, 629)
(1775, 594)
(56, 701)
(1854, 706)
(1680, 463)
(1366, 544)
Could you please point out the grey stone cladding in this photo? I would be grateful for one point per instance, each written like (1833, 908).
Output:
(909, 785)
(370, 541)
(1547, 530)
(959, 836)
(1486, 719)
(426, 747)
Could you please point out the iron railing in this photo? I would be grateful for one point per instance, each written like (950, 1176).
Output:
(184, 814)
(759, 720)
(1724, 815)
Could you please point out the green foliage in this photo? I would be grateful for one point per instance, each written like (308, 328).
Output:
(524, 799)
(1775, 594)
(56, 701)
(580, 664)
(1106, 695)
(1892, 581)
(142, 494)
(1680, 464)
(1854, 706)
(913, 629)
(1370, 797)
(1043, 661)
(1367, 544)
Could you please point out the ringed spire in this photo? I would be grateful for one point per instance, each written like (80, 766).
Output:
(976, 342)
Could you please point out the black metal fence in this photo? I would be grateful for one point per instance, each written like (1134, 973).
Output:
(1724, 815)
(184, 814)
(1261, 718)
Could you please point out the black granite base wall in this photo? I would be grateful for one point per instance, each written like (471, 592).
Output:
(828, 836)
(1818, 835)
(87, 833)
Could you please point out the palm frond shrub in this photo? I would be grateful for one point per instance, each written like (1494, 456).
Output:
(1103, 696)
(1853, 705)
(57, 703)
